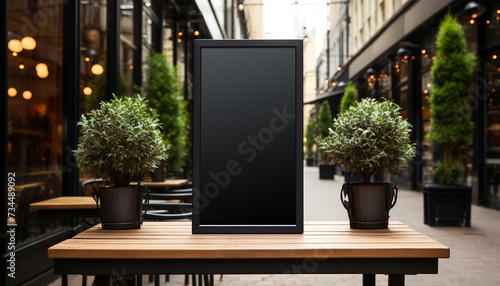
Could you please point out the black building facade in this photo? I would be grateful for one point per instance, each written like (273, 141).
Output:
(56, 58)
(395, 64)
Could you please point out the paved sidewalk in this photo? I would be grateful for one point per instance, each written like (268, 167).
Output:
(475, 251)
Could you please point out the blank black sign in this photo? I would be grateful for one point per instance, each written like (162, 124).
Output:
(248, 136)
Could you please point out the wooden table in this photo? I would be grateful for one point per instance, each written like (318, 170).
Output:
(68, 206)
(168, 183)
(324, 248)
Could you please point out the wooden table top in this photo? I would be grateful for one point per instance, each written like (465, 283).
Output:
(174, 240)
(168, 183)
(65, 203)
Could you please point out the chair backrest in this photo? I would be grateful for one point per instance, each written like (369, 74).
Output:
(88, 186)
(171, 205)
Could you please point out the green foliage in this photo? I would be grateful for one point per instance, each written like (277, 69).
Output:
(370, 137)
(349, 97)
(309, 137)
(324, 118)
(451, 72)
(162, 91)
(450, 174)
(120, 140)
(99, 89)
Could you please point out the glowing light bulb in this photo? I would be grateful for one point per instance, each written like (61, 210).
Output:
(15, 46)
(196, 33)
(97, 69)
(28, 43)
(21, 66)
(87, 91)
(12, 92)
(27, 94)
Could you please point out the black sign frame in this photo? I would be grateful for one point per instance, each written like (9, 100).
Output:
(215, 64)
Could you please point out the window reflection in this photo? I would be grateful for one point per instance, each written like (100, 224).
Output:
(35, 110)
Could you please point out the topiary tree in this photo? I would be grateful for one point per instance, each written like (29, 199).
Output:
(451, 124)
(120, 140)
(349, 97)
(370, 137)
(309, 137)
(162, 91)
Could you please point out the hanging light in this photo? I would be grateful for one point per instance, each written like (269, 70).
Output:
(97, 69)
(21, 66)
(27, 94)
(241, 7)
(12, 92)
(196, 33)
(15, 46)
(28, 43)
(87, 90)
(42, 70)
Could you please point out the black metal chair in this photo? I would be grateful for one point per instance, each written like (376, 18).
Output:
(161, 207)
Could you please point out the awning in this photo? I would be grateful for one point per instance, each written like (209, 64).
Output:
(326, 96)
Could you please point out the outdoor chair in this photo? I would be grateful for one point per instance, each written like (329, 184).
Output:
(173, 205)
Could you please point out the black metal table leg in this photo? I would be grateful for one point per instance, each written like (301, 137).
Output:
(368, 279)
(396, 280)
(64, 280)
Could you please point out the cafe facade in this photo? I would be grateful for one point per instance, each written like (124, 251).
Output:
(60, 58)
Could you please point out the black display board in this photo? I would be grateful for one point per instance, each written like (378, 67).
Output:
(247, 167)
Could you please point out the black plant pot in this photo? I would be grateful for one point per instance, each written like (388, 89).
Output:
(447, 205)
(327, 171)
(309, 162)
(368, 205)
(120, 208)
(355, 177)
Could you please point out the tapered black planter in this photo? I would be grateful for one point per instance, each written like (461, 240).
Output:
(309, 162)
(120, 208)
(447, 205)
(368, 205)
(327, 171)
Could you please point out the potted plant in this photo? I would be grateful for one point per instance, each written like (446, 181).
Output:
(118, 141)
(309, 142)
(162, 92)
(450, 125)
(369, 137)
(326, 169)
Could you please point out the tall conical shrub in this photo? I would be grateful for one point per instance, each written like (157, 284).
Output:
(309, 137)
(451, 124)
(324, 118)
(349, 97)
(162, 91)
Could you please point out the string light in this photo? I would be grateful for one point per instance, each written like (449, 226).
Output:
(97, 69)
(28, 43)
(12, 92)
(15, 46)
(27, 94)
(87, 90)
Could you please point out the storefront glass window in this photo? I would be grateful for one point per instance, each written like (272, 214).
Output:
(493, 125)
(35, 110)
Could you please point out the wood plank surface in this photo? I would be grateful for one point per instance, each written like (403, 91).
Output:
(168, 183)
(65, 203)
(167, 240)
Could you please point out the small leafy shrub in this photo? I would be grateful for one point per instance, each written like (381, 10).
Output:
(324, 118)
(120, 140)
(370, 137)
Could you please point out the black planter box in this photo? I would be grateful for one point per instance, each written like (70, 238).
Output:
(327, 171)
(309, 162)
(447, 205)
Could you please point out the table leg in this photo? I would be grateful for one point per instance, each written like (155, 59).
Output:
(64, 280)
(368, 279)
(396, 280)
